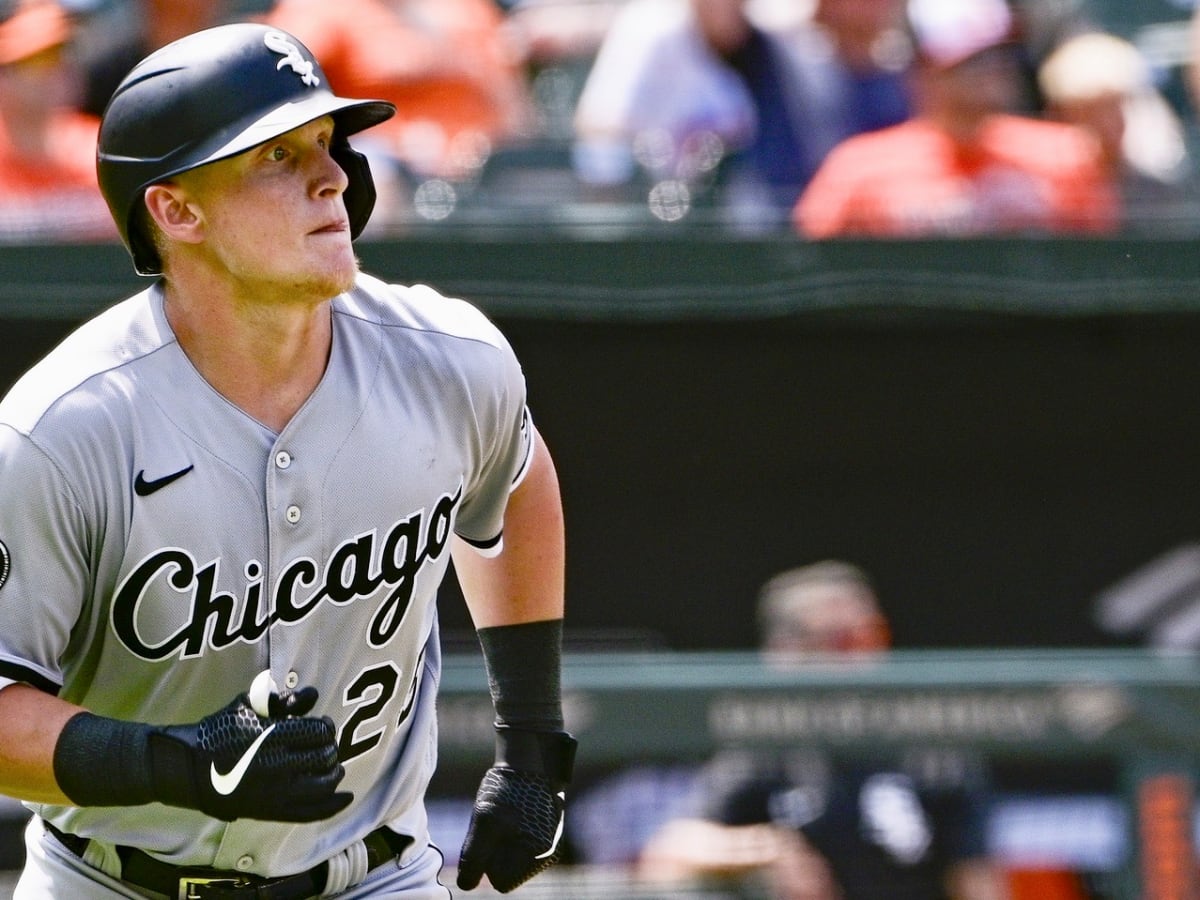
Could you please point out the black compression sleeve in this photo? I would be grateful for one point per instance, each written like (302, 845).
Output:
(103, 762)
(524, 665)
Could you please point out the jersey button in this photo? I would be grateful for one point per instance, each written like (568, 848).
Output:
(291, 680)
(283, 459)
(292, 514)
(244, 863)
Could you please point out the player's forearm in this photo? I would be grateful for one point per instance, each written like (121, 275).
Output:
(516, 602)
(31, 724)
(58, 753)
(525, 583)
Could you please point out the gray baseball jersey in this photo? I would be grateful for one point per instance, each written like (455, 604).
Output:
(159, 547)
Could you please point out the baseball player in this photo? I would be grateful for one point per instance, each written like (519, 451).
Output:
(264, 463)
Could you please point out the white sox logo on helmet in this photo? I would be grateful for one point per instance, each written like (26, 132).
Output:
(277, 42)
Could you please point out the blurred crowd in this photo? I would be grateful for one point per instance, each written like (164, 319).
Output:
(822, 118)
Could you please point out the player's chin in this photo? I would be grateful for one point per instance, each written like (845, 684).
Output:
(335, 274)
(348, 275)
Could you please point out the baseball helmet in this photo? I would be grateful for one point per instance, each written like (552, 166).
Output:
(212, 95)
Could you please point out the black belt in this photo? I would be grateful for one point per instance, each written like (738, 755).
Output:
(197, 883)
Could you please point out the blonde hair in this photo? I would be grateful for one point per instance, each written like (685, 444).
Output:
(1095, 65)
(783, 596)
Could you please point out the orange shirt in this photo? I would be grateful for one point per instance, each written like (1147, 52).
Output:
(56, 195)
(444, 63)
(1022, 175)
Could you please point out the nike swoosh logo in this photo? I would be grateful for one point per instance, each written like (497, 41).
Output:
(558, 833)
(144, 488)
(226, 784)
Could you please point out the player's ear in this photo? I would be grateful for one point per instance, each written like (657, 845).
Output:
(174, 213)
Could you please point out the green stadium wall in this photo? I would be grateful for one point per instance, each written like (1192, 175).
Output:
(995, 429)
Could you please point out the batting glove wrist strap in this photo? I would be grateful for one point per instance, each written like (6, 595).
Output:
(103, 762)
(551, 754)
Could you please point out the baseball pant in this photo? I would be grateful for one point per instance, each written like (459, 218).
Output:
(52, 872)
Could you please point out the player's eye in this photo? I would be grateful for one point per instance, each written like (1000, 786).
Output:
(277, 154)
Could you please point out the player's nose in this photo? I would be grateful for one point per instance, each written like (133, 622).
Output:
(328, 177)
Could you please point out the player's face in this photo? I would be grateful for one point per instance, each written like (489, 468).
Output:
(274, 218)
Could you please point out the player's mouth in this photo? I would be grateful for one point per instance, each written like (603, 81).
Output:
(336, 227)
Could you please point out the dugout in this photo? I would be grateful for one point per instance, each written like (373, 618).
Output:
(1094, 755)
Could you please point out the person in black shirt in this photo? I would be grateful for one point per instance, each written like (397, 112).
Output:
(803, 824)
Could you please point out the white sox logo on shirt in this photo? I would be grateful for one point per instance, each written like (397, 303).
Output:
(355, 569)
(277, 42)
(4, 564)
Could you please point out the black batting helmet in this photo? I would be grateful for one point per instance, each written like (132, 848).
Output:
(212, 95)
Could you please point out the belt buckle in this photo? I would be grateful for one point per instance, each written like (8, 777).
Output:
(196, 887)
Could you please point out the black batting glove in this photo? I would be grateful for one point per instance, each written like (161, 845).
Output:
(517, 821)
(237, 764)
(232, 764)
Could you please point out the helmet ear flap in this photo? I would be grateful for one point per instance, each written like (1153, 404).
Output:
(359, 196)
(146, 260)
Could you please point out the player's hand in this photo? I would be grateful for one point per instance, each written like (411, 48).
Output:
(237, 764)
(517, 822)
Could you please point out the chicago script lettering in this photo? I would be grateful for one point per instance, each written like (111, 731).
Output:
(356, 569)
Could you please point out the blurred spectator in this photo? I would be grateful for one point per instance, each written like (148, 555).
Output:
(1041, 26)
(47, 149)
(1102, 83)
(550, 31)
(964, 165)
(116, 36)
(680, 86)
(806, 826)
(557, 40)
(826, 612)
(448, 65)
